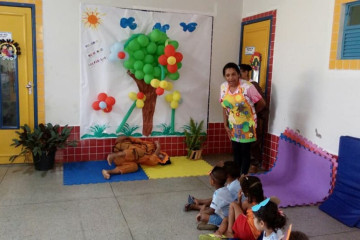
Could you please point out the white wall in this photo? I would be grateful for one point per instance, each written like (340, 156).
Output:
(62, 21)
(306, 95)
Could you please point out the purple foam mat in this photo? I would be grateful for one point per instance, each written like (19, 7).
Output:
(299, 177)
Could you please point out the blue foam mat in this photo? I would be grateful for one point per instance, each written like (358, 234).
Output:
(90, 172)
(343, 203)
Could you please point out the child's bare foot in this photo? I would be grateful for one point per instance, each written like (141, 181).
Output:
(105, 174)
(229, 234)
(218, 233)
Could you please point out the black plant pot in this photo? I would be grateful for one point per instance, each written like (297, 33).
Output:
(44, 162)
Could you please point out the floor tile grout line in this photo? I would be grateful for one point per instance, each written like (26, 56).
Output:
(122, 213)
(7, 169)
(337, 233)
(58, 201)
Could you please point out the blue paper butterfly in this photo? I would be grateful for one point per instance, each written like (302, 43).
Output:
(188, 27)
(161, 28)
(128, 22)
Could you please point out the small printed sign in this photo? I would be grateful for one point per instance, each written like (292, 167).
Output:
(5, 35)
(249, 50)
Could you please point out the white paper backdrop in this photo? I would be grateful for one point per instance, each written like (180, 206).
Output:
(100, 29)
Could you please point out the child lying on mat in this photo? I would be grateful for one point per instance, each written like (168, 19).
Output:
(128, 152)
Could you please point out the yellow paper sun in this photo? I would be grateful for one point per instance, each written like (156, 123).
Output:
(92, 18)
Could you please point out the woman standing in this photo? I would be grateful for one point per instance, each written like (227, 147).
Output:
(238, 98)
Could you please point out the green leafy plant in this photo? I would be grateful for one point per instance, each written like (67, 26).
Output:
(194, 135)
(44, 139)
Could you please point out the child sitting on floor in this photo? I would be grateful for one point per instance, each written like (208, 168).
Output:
(269, 219)
(219, 206)
(240, 222)
(232, 183)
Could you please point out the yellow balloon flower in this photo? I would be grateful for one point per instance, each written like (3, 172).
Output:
(140, 103)
(163, 84)
(132, 96)
(174, 104)
(155, 83)
(169, 97)
(169, 86)
(176, 95)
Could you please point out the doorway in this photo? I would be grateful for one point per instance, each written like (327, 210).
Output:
(257, 39)
(17, 74)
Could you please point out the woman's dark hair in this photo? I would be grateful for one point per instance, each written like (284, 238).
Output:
(231, 65)
(218, 174)
(296, 235)
(271, 216)
(232, 169)
(245, 67)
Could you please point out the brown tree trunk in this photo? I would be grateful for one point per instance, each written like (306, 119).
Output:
(150, 103)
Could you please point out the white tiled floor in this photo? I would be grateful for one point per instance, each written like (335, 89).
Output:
(36, 205)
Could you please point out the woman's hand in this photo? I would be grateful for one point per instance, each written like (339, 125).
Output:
(228, 131)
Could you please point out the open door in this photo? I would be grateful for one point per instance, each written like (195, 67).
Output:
(256, 39)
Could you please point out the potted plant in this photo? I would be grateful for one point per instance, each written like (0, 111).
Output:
(194, 139)
(41, 143)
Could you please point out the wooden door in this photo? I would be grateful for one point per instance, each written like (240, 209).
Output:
(16, 76)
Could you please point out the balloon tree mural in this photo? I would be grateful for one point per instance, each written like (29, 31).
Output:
(153, 62)
(131, 64)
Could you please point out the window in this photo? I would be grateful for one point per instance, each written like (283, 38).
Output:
(336, 59)
(350, 48)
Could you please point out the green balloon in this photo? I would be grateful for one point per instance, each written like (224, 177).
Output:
(148, 68)
(174, 76)
(127, 49)
(179, 65)
(157, 72)
(148, 78)
(151, 48)
(134, 45)
(139, 74)
(155, 35)
(174, 43)
(138, 65)
(163, 38)
(139, 55)
(149, 59)
(143, 40)
(132, 71)
(160, 50)
(128, 64)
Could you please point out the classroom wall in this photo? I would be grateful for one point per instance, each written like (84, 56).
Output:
(307, 96)
(62, 43)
